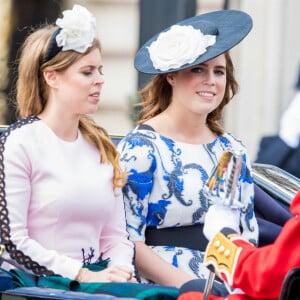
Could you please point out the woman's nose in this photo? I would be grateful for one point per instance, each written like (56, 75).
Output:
(99, 78)
(210, 78)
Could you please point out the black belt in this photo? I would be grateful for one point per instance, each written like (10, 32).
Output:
(184, 236)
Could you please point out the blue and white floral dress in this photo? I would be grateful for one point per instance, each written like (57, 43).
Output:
(165, 189)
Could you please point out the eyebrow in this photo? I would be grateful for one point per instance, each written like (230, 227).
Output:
(218, 66)
(91, 66)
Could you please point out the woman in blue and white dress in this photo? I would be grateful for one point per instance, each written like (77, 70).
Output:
(176, 147)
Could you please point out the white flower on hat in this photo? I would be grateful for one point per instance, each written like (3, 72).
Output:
(78, 29)
(178, 46)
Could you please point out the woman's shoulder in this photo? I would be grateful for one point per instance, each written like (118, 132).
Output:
(138, 136)
(22, 128)
(232, 141)
(19, 138)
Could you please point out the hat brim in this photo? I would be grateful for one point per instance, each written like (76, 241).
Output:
(232, 27)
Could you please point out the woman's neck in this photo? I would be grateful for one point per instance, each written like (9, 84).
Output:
(188, 129)
(64, 126)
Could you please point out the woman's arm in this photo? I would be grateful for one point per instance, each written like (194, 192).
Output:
(16, 175)
(138, 158)
(246, 194)
(156, 269)
(114, 240)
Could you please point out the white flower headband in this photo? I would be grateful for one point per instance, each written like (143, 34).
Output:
(77, 31)
(178, 46)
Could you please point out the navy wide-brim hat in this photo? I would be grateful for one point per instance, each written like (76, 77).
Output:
(228, 26)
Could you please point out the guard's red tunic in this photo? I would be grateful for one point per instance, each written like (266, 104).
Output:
(258, 272)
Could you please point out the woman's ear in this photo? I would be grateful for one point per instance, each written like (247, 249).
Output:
(170, 78)
(51, 78)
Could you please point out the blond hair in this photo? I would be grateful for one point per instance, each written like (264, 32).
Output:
(32, 92)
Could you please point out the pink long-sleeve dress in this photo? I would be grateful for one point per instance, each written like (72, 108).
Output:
(58, 208)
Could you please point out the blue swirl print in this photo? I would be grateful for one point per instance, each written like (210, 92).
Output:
(165, 189)
(156, 212)
(196, 261)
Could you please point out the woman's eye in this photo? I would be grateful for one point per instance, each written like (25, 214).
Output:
(87, 73)
(220, 72)
(196, 70)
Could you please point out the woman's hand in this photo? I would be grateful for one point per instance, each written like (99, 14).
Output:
(110, 274)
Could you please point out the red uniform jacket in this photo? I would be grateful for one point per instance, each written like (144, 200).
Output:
(258, 272)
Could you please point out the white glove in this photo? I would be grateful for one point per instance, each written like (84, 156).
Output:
(218, 217)
(289, 130)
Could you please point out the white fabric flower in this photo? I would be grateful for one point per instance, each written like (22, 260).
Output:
(178, 46)
(78, 29)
